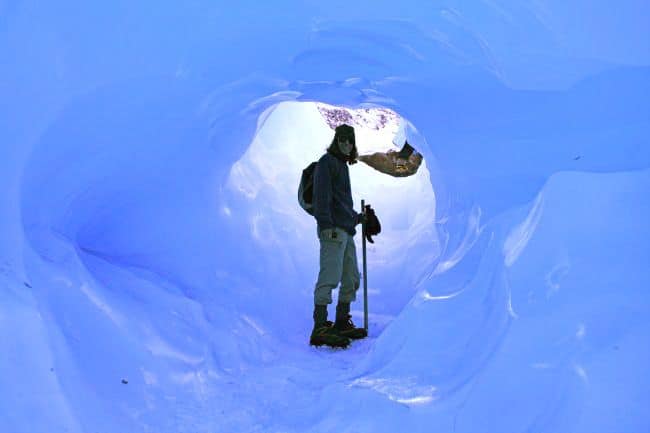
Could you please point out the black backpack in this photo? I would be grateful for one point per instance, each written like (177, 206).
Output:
(306, 188)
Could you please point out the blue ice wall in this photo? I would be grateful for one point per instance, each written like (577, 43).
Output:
(119, 123)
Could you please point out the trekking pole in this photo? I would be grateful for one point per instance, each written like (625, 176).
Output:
(365, 270)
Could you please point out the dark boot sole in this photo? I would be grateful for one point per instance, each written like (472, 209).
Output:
(342, 344)
(356, 335)
(353, 333)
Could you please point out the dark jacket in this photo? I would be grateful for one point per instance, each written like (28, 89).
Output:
(332, 199)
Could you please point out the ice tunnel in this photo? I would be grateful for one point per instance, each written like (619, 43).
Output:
(156, 270)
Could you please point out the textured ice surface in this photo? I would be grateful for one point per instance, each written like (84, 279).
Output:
(156, 270)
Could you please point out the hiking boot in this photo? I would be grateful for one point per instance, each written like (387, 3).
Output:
(324, 332)
(328, 336)
(347, 329)
(344, 324)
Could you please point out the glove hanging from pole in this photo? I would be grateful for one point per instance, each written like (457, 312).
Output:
(372, 226)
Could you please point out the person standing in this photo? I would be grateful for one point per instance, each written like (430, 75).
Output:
(336, 221)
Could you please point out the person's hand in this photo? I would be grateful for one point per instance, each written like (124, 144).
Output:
(406, 151)
(361, 218)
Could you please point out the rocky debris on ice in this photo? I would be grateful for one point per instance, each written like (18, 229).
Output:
(371, 118)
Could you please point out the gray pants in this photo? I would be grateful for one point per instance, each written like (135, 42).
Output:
(338, 263)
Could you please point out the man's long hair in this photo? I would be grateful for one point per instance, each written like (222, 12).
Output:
(346, 131)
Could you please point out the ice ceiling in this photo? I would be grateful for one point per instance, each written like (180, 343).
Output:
(135, 296)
